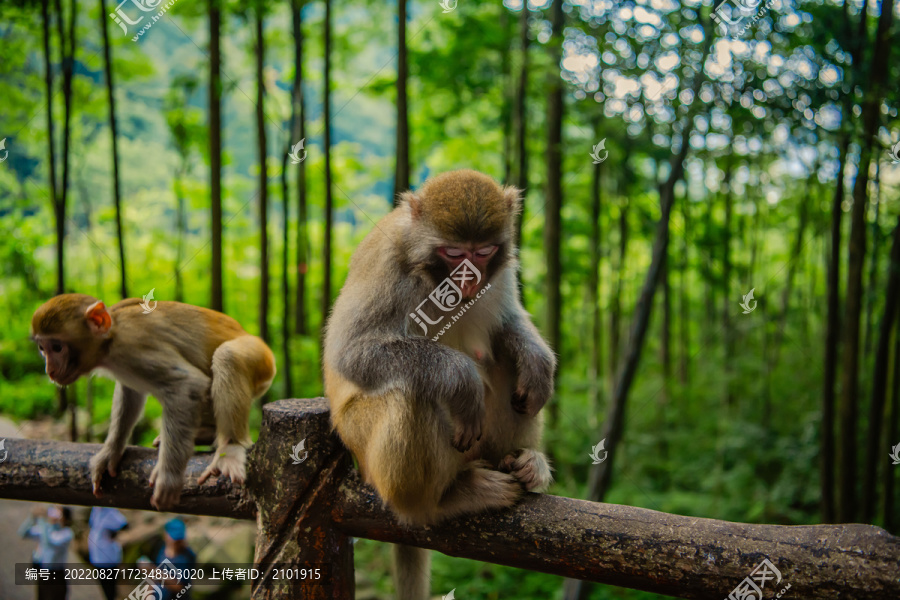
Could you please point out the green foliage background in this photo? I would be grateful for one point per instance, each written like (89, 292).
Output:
(685, 451)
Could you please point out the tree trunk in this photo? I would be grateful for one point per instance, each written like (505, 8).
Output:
(48, 88)
(215, 154)
(889, 474)
(506, 110)
(66, 35)
(553, 207)
(180, 226)
(832, 336)
(595, 367)
(849, 402)
(726, 284)
(401, 170)
(298, 121)
(285, 281)
(873, 263)
(263, 177)
(117, 188)
(874, 451)
(329, 202)
(666, 359)
(521, 120)
(615, 310)
(684, 311)
(833, 325)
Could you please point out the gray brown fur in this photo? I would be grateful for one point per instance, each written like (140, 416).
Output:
(448, 427)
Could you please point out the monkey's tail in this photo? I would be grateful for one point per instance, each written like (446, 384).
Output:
(412, 572)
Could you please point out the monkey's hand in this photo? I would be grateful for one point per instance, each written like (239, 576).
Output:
(466, 402)
(530, 467)
(105, 461)
(534, 384)
(166, 488)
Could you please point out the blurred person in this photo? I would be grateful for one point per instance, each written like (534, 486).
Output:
(104, 550)
(179, 554)
(51, 527)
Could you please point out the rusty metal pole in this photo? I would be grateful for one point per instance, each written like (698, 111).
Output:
(295, 487)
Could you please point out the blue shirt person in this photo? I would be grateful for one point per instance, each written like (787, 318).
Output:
(53, 535)
(50, 527)
(177, 552)
(103, 549)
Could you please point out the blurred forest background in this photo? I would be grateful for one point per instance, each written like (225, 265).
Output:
(710, 238)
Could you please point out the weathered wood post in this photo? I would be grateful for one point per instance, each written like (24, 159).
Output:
(295, 492)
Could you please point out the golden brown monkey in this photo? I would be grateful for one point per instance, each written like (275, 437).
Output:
(433, 369)
(201, 365)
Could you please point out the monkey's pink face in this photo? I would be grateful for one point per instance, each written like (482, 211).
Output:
(56, 356)
(480, 256)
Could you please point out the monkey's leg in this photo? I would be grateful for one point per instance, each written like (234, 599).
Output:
(205, 436)
(232, 394)
(181, 402)
(128, 404)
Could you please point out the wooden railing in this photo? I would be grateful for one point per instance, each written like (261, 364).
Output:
(307, 512)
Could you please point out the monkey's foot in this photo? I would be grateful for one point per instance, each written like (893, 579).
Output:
(104, 461)
(530, 467)
(229, 462)
(166, 489)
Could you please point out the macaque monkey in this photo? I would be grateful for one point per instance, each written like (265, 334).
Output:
(201, 365)
(433, 369)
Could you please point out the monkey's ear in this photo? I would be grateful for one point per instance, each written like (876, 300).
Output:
(98, 319)
(414, 202)
(513, 198)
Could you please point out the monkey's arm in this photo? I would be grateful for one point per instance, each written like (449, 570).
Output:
(429, 371)
(128, 404)
(520, 340)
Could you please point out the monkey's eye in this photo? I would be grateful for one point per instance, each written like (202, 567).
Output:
(56, 347)
(454, 252)
(40, 349)
(486, 251)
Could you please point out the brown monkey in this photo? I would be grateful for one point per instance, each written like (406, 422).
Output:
(200, 364)
(434, 371)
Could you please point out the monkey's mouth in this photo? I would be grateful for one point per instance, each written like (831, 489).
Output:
(469, 291)
(64, 379)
